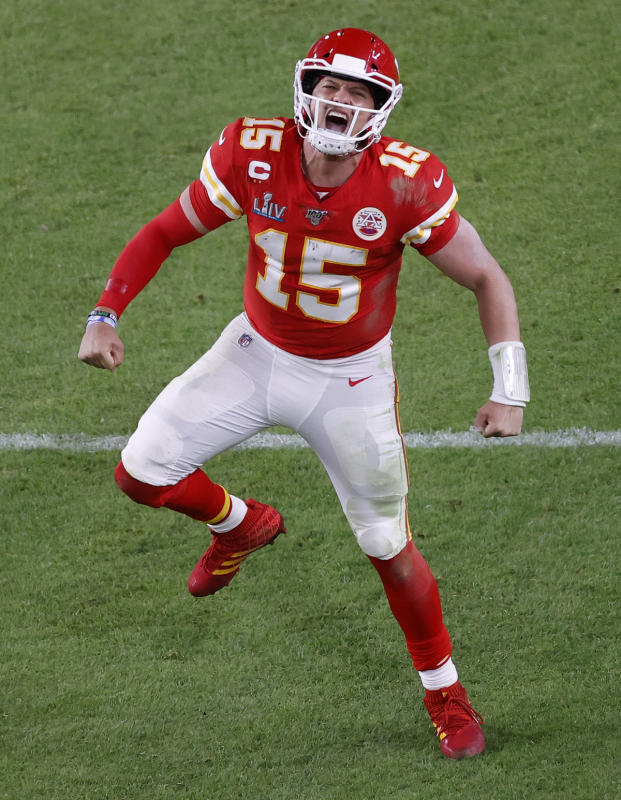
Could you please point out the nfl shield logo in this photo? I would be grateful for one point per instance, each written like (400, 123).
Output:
(244, 340)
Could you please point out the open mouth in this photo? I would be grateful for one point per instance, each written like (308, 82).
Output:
(336, 121)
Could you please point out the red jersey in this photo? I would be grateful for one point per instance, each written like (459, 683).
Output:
(322, 268)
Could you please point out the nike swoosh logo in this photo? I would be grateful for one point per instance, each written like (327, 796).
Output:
(222, 140)
(354, 383)
(438, 183)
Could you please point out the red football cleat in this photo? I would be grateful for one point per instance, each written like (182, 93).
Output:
(221, 562)
(457, 724)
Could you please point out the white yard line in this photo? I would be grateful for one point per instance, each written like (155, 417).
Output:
(83, 443)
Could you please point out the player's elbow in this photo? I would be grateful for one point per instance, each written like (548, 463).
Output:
(492, 282)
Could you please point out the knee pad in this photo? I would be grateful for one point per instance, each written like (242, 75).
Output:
(153, 451)
(380, 525)
(381, 543)
(377, 543)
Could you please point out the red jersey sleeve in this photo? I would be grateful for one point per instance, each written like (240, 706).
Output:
(217, 196)
(142, 257)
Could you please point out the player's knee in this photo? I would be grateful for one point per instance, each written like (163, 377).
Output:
(139, 492)
(153, 451)
(381, 542)
(379, 523)
(375, 543)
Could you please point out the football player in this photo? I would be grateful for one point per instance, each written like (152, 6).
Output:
(330, 204)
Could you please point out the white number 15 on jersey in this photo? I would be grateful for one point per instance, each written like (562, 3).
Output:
(345, 289)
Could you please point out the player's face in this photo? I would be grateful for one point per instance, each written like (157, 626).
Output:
(339, 91)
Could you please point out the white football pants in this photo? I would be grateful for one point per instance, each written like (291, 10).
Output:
(345, 409)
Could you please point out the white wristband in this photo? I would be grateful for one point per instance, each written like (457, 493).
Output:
(508, 360)
(108, 320)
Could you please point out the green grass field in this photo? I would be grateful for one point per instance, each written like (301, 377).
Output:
(295, 684)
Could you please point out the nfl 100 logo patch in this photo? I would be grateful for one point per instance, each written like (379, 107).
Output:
(316, 216)
(369, 223)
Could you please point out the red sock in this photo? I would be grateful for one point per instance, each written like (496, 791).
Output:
(414, 599)
(197, 496)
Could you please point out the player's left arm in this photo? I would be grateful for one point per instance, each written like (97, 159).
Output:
(466, 260)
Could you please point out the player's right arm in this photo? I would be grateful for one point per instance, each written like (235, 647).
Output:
(138, 262)
(203, 206)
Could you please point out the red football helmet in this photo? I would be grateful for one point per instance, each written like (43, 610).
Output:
(352, 54)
